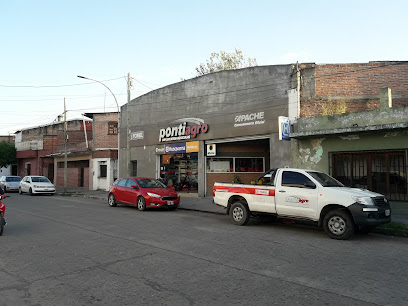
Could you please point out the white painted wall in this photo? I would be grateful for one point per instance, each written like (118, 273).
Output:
(5, 171)
(101, 183)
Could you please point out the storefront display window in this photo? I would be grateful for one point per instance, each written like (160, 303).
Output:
(180, 171)
(240, 164)
(220, 165)
(249, 165)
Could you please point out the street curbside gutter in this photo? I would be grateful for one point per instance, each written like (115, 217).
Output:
(390, 229)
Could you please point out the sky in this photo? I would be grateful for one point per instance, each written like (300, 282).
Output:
(45, 44)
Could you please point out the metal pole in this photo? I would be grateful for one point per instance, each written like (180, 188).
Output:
(82, 77)
(128, 129)
(65, 148)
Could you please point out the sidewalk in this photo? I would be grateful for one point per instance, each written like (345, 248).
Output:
(192, 202)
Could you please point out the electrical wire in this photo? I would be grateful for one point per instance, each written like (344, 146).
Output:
(223, 103)
(56, 86)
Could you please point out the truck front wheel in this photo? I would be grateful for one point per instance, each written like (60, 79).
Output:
(338, 224)
(239, 213)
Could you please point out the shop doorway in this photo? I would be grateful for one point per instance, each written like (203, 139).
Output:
(180, 170)
(382, 172)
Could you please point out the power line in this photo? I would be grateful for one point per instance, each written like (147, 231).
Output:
(55, 86)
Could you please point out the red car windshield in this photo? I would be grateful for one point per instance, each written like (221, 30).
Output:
(150, 183)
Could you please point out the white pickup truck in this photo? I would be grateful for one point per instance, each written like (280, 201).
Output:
(306, 195)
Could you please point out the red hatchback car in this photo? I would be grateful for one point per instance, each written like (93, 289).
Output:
(143, 192)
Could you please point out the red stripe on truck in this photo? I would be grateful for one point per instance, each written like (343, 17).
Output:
(245, 190)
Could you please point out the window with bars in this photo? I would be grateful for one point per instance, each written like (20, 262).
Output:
(112, 128)
(382, 172)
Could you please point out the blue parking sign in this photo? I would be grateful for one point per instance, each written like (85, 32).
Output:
(284, 128)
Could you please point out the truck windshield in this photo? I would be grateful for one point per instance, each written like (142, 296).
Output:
(325, 180)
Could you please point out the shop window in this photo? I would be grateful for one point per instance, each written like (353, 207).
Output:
(103, 170)
(220, 165)
(112, 128)
(249, 164)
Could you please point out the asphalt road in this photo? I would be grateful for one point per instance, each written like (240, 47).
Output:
(75, 251)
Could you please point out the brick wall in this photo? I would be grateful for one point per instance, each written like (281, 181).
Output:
(73, 177)
(105, 154)
(7, 138)
(102, 139)
(38, 133)
(50, 142)
(354, 87)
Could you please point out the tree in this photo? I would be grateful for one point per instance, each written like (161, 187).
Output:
(225, 61)
(7, 154)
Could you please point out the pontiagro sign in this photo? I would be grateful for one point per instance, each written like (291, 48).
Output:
(181, 132)
(174, 148)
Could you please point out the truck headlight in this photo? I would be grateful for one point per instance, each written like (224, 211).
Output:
(153, 195)
(363, 200)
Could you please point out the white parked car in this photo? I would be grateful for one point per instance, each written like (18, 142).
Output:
(35, 184)
(10, 183)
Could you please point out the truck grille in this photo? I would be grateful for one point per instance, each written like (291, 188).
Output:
(380, 202)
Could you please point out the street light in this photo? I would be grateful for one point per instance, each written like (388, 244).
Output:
(82, 77)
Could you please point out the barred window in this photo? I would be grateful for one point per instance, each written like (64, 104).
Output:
(112, 128)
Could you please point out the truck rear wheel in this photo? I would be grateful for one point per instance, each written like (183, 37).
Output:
(239, 213)
(338, 224)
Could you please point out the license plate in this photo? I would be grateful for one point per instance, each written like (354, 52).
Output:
(170, 202)
(387, 212)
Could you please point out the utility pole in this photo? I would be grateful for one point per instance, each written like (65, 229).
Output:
(128, 133)
(65, 147)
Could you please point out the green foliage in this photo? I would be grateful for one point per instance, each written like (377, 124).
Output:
(7, 154)
(236, 179)
(225, 61)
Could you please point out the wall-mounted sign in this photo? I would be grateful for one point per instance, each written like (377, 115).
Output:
(192, 146)
(137, 135)
(211, 149)
(284, 128)
(175, 148)
(249, 119)
(182, 131)
(160, 149)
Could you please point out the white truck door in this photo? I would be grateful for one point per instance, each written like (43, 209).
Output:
(295, 195)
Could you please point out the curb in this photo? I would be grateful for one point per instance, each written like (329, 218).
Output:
(378, 230)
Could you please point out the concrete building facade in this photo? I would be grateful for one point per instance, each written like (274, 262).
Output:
(221, 126)
(353, 124)
(104, 149)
